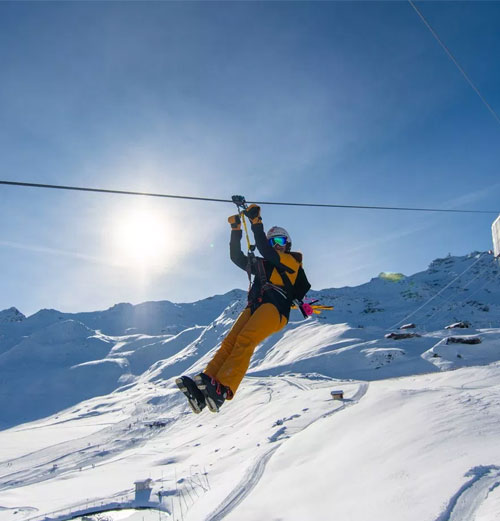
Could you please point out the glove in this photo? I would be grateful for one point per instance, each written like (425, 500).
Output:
(235, 222)
(253, 213)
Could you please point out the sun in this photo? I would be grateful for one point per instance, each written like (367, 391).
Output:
(140, 239)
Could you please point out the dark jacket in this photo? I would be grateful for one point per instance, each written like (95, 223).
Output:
(276, 290)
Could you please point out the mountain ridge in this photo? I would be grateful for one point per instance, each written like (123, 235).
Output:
(155, 341)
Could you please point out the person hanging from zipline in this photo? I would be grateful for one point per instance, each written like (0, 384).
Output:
(279, 282)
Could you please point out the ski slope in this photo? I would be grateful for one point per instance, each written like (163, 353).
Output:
(418, 448)
(89, 406)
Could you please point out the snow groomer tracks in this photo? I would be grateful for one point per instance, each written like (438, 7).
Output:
(256, 471)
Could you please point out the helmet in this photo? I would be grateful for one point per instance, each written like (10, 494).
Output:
(277, 231)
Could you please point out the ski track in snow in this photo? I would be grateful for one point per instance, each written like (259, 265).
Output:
(362, 390)
(464, 504)
(244, 488)
(255, 473)
(295, 382)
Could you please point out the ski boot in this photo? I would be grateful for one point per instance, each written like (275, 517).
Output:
(214, 392)
(195, 397)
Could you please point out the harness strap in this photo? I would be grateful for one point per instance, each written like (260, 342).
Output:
(260, 274)
(291, 293)
(278, 289)
(265, 285)
(288, 285)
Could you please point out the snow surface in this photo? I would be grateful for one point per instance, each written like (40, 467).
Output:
(89, 406)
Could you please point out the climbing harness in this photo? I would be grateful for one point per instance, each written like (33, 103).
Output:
(256, 265)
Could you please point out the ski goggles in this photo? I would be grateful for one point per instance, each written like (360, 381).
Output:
(280, 241)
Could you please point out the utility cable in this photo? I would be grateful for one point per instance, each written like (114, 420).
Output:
(211, 199)
(439, 292)
(452, 299)
(455, 61)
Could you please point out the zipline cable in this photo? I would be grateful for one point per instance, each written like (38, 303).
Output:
(105, 191)
(211, 199)
(455, 61)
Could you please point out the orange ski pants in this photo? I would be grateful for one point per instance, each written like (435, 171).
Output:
(232, 359)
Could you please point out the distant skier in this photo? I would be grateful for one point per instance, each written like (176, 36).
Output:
(279, 280)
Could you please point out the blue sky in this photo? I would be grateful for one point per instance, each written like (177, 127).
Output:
(324, 102)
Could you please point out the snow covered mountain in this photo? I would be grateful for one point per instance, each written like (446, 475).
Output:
(88, 406)
(52, 360)
(11, 315)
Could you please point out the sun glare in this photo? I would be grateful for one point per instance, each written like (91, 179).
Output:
(141, 239)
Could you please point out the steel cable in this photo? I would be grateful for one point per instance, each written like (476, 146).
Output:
(219, 200)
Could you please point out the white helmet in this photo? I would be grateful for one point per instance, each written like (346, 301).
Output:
(277, 231)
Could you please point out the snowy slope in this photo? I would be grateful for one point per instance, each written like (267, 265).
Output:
(90, 354)
(52, 360)
(88, 405)
(467, 289)
(420, 448)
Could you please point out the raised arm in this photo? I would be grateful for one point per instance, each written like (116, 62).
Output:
(265, 249)
(237, 256)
